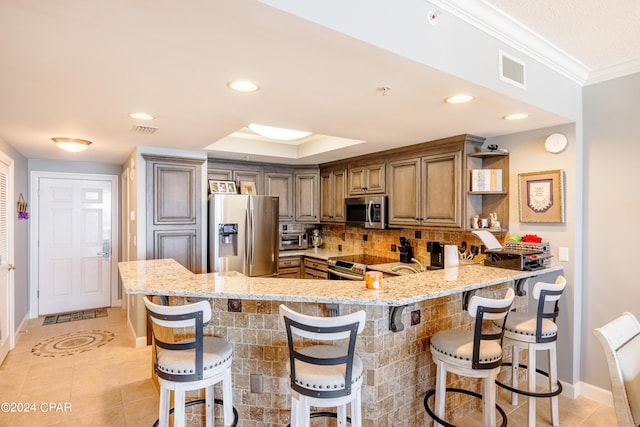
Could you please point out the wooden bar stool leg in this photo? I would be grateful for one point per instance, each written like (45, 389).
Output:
(178, 407)
(163, 416)
(227, 399)
(489, 400)
(209, 404)
(356, 410)
(342, 415)
(553, 380)
(441, 389)
(515, 369)
(531, 369)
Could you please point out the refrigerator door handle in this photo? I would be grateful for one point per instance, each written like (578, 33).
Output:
(250, 235)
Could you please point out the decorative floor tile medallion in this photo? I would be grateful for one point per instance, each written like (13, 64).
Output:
(72, 343)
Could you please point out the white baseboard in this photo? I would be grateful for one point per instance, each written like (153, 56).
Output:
(21, 327)
(140, 341)
(598, 394)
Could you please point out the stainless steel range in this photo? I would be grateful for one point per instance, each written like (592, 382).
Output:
(353, 267)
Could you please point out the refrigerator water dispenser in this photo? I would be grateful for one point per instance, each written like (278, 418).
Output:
(228, 240)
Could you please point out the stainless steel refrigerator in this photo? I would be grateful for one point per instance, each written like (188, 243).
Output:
(243, 234)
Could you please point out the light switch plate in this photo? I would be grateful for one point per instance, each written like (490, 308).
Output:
(563, 254)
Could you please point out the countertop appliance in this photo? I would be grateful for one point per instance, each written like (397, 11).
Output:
(367, 212)
(316, 238)
(437, 255)
(405, 249)
(293, 240)
(353, 267)
(515, 259)
(243, 234)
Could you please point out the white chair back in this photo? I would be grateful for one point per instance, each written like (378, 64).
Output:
(477, 301)
(164, 310)
(620, 340)
(559, 285)
(323, 322)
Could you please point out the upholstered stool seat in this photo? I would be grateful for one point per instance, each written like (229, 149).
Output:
(328, 377)
(475, 354)
(536, 332)
(324, 375)
(189, 364)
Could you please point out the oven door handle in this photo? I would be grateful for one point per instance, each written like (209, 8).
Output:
(346, 275)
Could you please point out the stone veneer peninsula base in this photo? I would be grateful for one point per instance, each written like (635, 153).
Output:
(399, 369)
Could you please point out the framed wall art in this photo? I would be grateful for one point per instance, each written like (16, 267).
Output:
(224, 187)
(541, 196)
(248, 187)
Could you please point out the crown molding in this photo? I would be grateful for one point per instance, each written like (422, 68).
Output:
(614, 71)
(501, 26)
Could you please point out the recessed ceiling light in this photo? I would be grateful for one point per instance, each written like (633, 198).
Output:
(142, 116)
(243, 86)
(516, 116)
(280, 134)
(458, 99)
(73, 145)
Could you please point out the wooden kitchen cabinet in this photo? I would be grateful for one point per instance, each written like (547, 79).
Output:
(289, 267)
(427, 190)
(333, 185)
(281, 185)
(368, 179)
(174, 204)
(307, 198)
(220, 174)
(315, 268)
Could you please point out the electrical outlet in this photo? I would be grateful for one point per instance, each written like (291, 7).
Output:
(393, 248)
(415, 317)
(563, 254)
(339, 247)
(256, 383)
(365, 237)
(418, 234)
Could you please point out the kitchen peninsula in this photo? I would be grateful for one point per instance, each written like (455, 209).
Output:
(394, 345)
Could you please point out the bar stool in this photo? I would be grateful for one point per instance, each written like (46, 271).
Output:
(475, 354)
(324, 375)
(536, 332)
(189, 364)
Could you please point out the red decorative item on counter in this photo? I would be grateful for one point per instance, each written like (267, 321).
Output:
(531, 238)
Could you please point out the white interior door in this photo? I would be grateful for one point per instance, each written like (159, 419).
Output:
(6, 252)
(75, 231)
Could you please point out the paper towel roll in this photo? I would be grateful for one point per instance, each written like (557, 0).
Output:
(451, 257)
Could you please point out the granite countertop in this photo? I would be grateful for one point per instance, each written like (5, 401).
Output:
(168, 277)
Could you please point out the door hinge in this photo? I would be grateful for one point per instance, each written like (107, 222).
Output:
(38, 294)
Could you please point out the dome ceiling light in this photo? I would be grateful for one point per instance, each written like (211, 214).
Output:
(73, 145)
(246, 86)
(279, 134)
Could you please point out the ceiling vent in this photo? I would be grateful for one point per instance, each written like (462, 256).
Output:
(145, 130)
(512, 70)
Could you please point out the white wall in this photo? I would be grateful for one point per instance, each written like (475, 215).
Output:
(612, 207)
(527, 154)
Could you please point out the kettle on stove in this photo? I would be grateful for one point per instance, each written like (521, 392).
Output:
(316, 238)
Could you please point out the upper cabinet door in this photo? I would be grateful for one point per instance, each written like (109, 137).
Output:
(306, 196)
(368, 179)
(333, 185)
(281, 185)
(442, 190)
(404, 192)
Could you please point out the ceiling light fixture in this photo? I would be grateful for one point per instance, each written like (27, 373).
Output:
(73, 145)
(458, 99)
(243, 86)
(516, 116)
(142, 116)
(280, 134)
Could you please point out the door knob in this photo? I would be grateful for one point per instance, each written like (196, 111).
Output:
(10, 267)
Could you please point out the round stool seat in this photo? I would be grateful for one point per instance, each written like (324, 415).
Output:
(216, 352)
(328, 377)
(522, 327)
(456, 348)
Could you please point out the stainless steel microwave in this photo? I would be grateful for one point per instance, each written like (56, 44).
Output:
(367, 212)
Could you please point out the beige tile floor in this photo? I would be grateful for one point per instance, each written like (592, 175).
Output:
(111, 385)
(107, 386)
